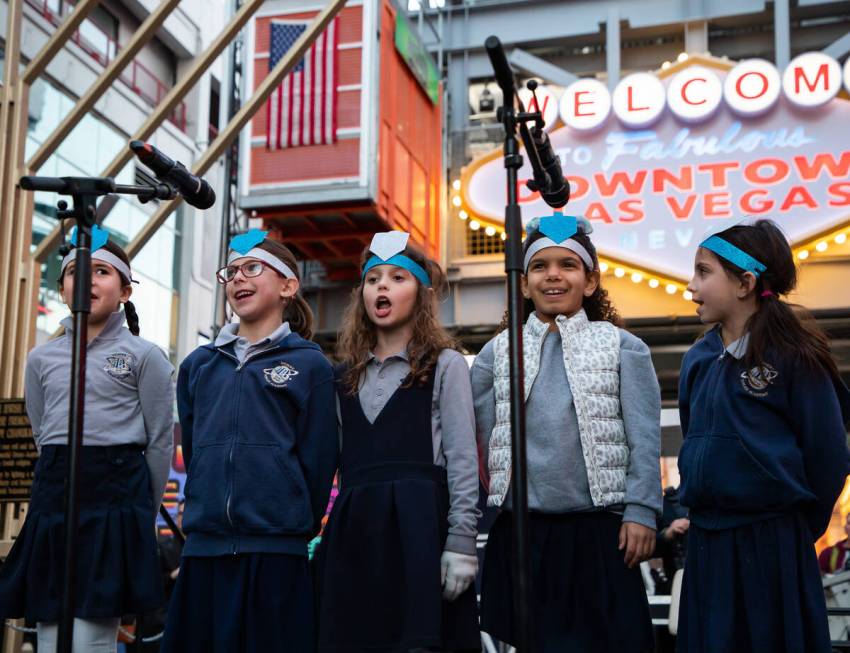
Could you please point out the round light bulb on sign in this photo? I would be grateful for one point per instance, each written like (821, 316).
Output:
(752, 87)
(638, 100)
(694, 94)
(811, 80)
(585, 105)
(548, 104)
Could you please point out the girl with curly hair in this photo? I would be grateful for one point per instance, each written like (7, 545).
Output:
(397, 561)
(593, 427)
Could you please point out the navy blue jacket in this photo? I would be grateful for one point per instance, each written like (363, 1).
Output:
(260, 443)
(759, 445)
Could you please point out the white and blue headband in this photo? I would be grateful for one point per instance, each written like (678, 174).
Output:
(558, 231)
(99, 238)
(245, 246)
(735, 255)
(387, 249)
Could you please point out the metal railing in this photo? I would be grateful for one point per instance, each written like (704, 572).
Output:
(103, 48)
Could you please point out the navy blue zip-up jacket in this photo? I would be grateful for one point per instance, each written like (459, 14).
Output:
(260, 443)
(759, 444)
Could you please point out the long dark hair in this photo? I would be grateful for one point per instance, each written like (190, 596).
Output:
(130, 313)
(776, 326)
(598, 306)
(296, 311)
(359, 334)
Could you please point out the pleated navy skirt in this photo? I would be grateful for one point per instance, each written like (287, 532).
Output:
(246, 603)
(117, 562)
(379, 566)
(753, 588)
(584, 598)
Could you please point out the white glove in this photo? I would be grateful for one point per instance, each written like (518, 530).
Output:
(457, 573)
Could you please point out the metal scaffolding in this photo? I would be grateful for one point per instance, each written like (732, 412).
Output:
(20, 268)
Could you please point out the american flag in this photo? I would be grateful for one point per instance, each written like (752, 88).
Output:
(302, 110)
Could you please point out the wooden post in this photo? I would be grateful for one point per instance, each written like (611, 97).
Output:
(168, 104)
(245, 113)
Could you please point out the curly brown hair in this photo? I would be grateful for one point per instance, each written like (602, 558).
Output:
(598, 306)
(359, 334)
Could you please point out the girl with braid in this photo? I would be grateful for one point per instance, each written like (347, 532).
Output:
(124, 463)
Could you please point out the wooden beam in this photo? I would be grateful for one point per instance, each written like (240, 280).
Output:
(300, 237)
(167, 105)
(245, 113)
(13, 95)
(17, 209)
(125, 55)
(348, 220)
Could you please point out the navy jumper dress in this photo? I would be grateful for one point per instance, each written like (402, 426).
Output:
(379, 561)
(117, 563)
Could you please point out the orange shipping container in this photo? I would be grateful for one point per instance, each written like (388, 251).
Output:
(351, 142)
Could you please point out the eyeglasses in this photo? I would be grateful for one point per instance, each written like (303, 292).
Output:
(248, 269)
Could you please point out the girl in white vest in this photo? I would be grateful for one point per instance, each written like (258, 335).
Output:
(593, 426)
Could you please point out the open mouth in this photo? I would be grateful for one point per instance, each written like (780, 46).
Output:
(554, 292)
(383, 306)
(242, 294)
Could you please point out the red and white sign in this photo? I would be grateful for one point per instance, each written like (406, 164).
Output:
(694, 94)
(585, 105)
(752, 87)
(811, 80)
(547, 104)
(652, 189)
(639, 100)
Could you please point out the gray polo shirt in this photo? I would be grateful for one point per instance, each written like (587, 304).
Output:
(129, 395)
(557, 476)
(242, 349)
(452, 432)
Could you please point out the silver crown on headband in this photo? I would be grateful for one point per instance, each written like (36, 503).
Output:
(387, 244)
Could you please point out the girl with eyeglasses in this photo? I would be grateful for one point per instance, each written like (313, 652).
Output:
(257, 410)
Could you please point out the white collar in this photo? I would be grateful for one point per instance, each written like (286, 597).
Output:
(738, 348)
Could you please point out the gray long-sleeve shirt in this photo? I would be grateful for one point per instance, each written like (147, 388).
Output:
(452, 432)
(557, 476)
(129, 395)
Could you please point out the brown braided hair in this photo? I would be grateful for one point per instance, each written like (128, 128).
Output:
(296, 311)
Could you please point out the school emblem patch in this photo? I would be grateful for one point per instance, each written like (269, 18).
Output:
(280, 375)
(120, 365)
(756, 380)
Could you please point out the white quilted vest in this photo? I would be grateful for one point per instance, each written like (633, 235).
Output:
(592, 361)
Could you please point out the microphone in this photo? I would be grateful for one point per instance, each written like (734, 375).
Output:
(194, 190)
(504, 74)
(557, 192)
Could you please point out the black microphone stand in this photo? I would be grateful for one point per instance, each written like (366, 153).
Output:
(84, 191)
(513, 120)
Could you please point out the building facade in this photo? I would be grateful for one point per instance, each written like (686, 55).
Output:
(174, 298)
